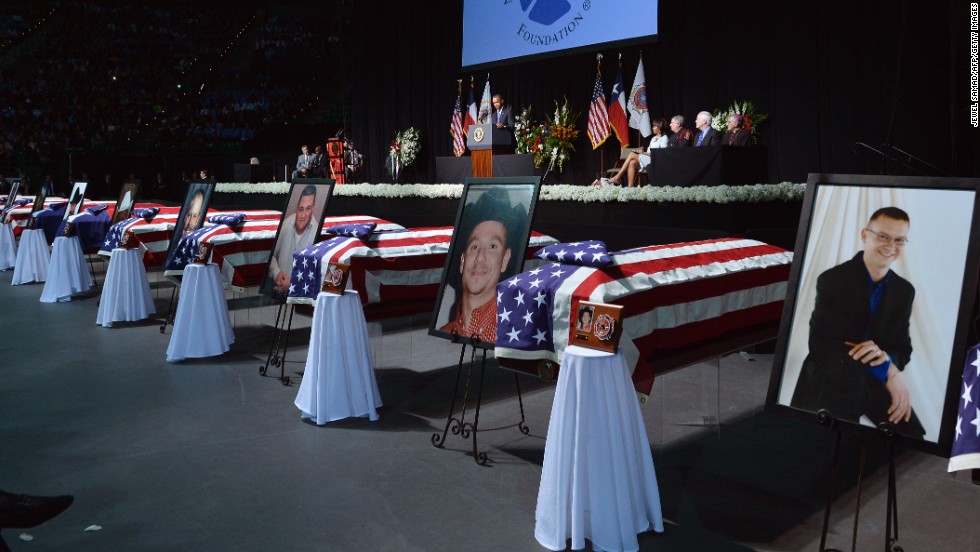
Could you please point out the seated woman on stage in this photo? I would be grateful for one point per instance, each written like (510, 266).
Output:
(736, 135)
(638, 160)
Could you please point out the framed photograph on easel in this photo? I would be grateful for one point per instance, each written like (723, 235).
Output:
(76, 200)
(192, 213)
(127, 199)
(38, 205)
(302, 220)
(493, 225)
(880, 298)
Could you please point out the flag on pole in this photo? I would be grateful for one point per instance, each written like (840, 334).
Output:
(639, 116)
(965, 454)
(456, 126)
(598, 117)
(486, 107)
(617, 110)
(470, 118)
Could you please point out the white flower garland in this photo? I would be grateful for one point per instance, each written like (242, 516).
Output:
(754, 193)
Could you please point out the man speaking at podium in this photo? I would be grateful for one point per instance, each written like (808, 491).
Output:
(503, 116)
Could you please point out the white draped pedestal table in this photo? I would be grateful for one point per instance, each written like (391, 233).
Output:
(126, 293)
(32, 258)
(202, 327)
(67, 273)
(8, 246)
(338, 381)
(597, 479)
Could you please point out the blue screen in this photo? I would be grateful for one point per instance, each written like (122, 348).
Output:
(503, 30)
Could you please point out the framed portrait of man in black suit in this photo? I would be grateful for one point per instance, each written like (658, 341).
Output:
(193, 213)
(880, 298)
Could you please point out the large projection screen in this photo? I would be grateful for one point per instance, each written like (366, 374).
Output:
(496, 31)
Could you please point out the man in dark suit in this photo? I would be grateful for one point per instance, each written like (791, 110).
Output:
(503, 116)
(705, 135)
(736, 135)
(859, 333)
(681, 137)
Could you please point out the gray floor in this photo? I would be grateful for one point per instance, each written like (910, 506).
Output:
(209, 455)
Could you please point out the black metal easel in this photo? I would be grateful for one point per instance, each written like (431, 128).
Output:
(459, 426)
(171, 310)
(280, 337)
(886, 431)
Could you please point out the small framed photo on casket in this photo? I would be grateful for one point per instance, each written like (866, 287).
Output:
(203, 255)
(598, 326)
(335, 278)
(128, 241)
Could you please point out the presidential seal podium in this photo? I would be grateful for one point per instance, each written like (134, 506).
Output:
(483, 140)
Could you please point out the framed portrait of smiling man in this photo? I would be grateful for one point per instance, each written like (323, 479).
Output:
(302, 220)
(879, 303)
(493, 225)
(193, 213)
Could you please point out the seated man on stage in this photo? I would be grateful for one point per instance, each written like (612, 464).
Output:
(705, 135)
(681, 137)
(302, 163)
(859, 333)
(736, 135)
(297, 233)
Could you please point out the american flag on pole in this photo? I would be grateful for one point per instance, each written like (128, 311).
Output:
(598, 117)
(966, 442)
(673, 295)
(617, 110)
(456, 126)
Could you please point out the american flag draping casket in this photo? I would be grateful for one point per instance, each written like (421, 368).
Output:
(20, 216)
(242, 252)
(152, 236)
(384, 267)
(673, 296)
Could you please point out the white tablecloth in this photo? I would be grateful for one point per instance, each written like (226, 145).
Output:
(597, 480)
(126, 293)
(8, 246)
(32, 258)
(67, 273)
(202, 327)
(339, 379)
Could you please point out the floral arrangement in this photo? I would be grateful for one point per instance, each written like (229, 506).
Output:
(404, 149)
(751, 119)
(559, 136)
(755, 193)
(529, 136)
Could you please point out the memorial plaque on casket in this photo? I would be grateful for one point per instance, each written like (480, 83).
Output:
(598, 326)
(67, 231)
(128, 241)
(203, 253)
(335, 278)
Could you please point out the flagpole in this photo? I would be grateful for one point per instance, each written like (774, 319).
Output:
(602, 157)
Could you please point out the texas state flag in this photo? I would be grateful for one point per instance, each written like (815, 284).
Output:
(618, 120)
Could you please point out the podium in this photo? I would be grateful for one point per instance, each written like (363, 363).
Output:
(482, 141)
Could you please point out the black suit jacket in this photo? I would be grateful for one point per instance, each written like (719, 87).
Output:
(504, 115)
(712, 138)
(740, 138)
(830, 379)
